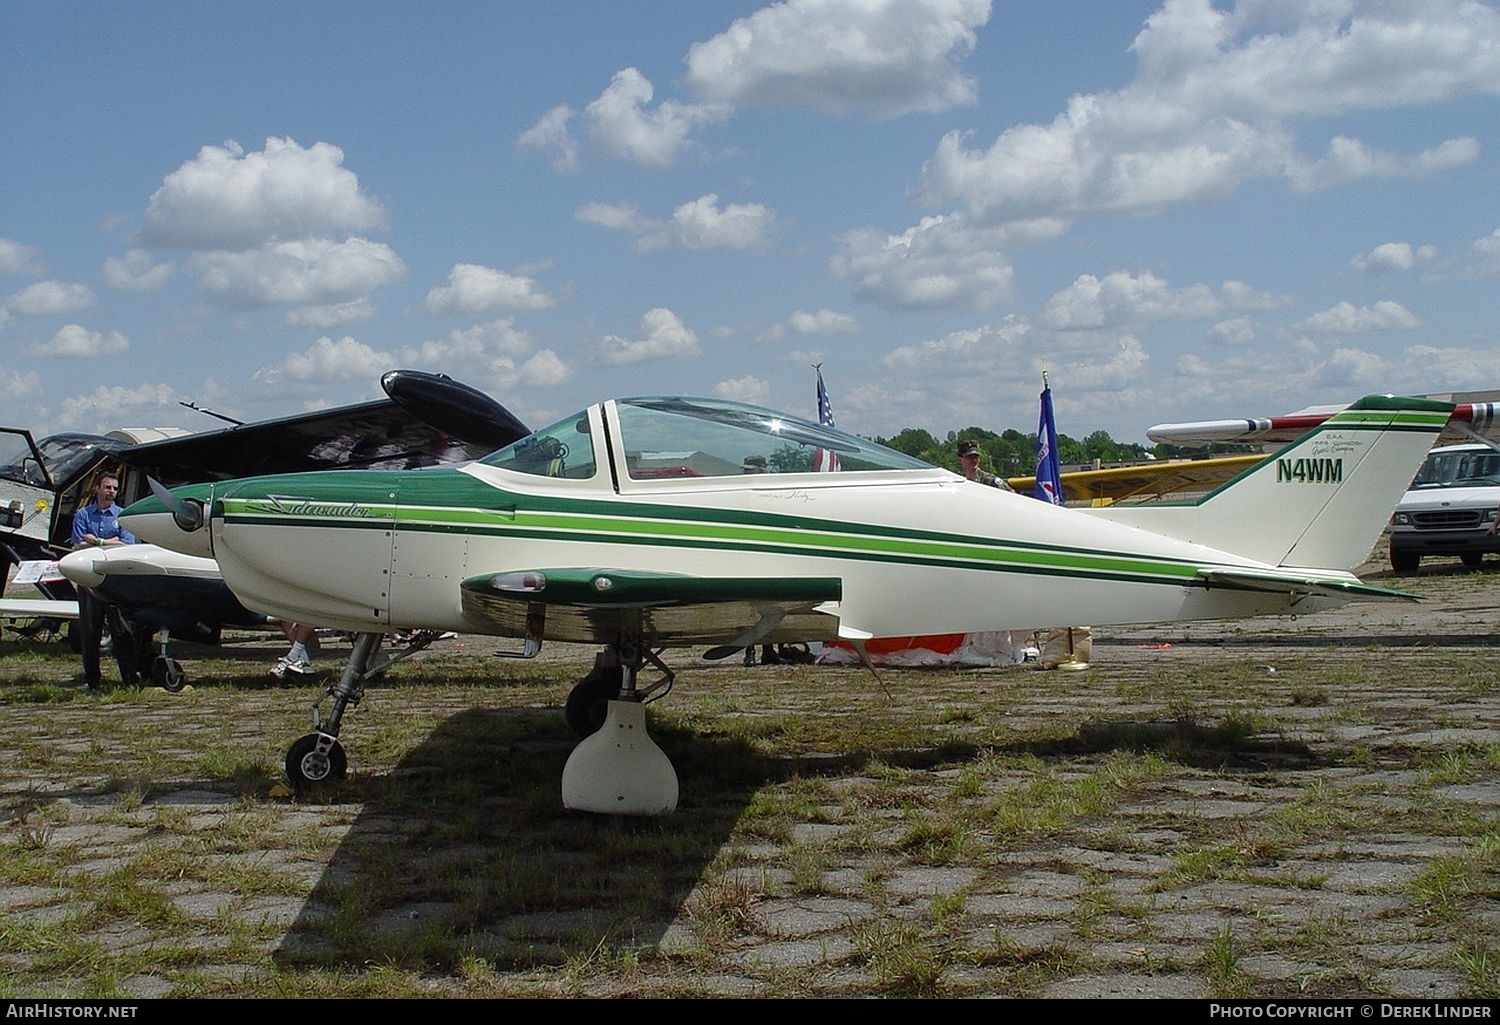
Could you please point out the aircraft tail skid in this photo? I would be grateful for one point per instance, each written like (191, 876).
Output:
(1321, 502)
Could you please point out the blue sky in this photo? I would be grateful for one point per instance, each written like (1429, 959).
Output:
(1181, 210)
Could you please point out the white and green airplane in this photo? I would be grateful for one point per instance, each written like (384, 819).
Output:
(648, 523)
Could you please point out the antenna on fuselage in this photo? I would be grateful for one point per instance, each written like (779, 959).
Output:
(208, 412)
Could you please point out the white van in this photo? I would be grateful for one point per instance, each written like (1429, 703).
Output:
(1448, 511)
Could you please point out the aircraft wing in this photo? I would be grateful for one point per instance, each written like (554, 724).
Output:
(588, 605)
(1470, 421)
(1147, 482)
(428, 419)
(37, 608)
(1292, 583)
(371, 435)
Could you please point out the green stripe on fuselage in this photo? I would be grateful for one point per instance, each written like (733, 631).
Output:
(594, 521)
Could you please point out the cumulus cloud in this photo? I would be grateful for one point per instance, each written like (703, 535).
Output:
(1347, 371)
(883, 57)
(749, 389)
(1392, 256)
(314, 272)
(51, 299)
(1214, 103)
(545, 370)
(136, 271)
(823, 322)
(616, 217)
(700, 224)
(940, 263)
(15, 385)
(327, 360)
(471, 346)
(17, 258)
(225, 198)
(1351, 370)
(622, 125)
(494, 356)
(969, 348)
(1240, 296)
(1346, 318)
(1487, 251)
(107, 405)
(662, 335)
(1239, 331)
(886, 57)
(329, 315)
(1122, 298)
(76, 342)
(1349, 159)
(472, 289)
(551, 135)
(991, 374)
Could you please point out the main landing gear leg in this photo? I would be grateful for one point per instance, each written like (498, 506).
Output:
(319, 757)
(619, 770)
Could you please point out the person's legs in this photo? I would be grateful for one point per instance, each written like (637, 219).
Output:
(125, 644)
(296, 660)
(91, 631)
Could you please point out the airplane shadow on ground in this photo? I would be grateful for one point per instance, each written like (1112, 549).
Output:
(464, 850)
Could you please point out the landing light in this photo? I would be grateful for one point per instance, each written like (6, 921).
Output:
(526, 582)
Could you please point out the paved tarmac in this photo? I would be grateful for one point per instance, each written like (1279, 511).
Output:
(1079, 835)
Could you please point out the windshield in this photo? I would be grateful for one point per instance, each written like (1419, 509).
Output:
(565, 449)
(679, 437)
(1468, 468)
(62, 456)
(18, 459)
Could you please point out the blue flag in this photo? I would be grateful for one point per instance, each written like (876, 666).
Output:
(1048, 477)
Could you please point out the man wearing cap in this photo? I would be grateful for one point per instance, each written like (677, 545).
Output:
(968, 464)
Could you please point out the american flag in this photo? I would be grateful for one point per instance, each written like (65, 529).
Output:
(1048, 475)
(824, 461)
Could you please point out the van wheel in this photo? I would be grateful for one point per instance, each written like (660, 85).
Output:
(1471, 558)
(1404, 562)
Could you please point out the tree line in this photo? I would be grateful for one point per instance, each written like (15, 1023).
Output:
(1013, 454)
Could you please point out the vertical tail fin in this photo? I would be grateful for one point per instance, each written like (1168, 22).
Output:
(1321, 502)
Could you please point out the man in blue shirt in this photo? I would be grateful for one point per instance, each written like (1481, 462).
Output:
(97, 524)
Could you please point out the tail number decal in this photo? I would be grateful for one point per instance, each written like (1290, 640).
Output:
(1310, 471)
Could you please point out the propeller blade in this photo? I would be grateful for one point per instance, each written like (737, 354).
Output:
(187, 515)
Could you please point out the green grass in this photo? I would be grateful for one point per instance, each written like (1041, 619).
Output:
(949, 816)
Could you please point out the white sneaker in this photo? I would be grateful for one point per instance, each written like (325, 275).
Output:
(298, 667)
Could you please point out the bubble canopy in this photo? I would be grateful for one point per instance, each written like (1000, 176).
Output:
(691, 437)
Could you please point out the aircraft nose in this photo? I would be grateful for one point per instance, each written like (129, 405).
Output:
(177, 520)
(80, 567)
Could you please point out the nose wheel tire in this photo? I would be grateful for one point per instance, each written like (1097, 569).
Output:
(305, 766)
(588, 701)
(167, 673)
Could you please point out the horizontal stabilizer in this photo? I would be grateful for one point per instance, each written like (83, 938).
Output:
(1287, 583)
